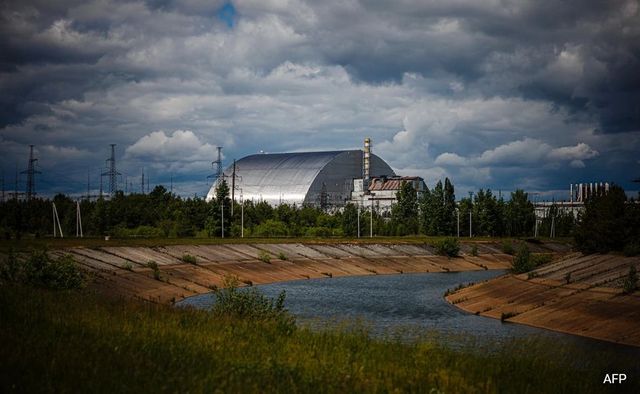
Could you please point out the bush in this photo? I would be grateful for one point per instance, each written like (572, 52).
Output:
(507, 247)
(448, 247)
(43, 271)
(322, 232)
(631, 281)
(282, 256)
(541, 259)
(270, 228)
(251, 304)
(154, 267)
(138, 232)
(522, 260)
(189, 259)
(474, 250)
(632, 249)
(264, 257)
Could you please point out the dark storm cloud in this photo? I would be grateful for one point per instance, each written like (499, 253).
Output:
(446, 88)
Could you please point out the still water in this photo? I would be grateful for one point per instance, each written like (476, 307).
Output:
(409, 305)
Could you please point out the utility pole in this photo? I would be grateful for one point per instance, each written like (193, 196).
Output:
(171, 187)
(371, 219)
(470, 211)
(233, 186)
(241, 215)
(222, 209)
(358, 220)
(142, 182)
(458, 212)
(56, 219)
(111, 172)
(31, 175)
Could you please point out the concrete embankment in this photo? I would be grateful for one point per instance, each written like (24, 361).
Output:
(124, 271)
(577, 294)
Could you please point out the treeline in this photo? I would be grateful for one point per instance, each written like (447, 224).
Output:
(163, 214)
(609, 222)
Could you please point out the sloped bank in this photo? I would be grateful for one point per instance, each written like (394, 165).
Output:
(166, 274)
(577, 294)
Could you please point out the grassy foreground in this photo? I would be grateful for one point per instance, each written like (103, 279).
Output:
(74, 341)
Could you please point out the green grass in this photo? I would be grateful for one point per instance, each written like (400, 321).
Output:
(27, 243)
(79, 341)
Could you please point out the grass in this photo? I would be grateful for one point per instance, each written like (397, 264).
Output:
(62, 341)
(27, 243)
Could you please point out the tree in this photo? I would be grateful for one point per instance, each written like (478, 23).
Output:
(350, 220)
(520, 214)
(404, 214)
(602, 226)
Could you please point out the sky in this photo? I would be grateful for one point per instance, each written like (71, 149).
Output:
(493, 94)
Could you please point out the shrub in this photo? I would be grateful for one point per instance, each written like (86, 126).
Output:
(282, 256)
(507, 247)
(448, 247)
(154, 267)
(631, 281)
(251, 304)
(506, 315)
(264, 257)
(127, 266)
(567, 277)
(10, 270)
(270, 228)
(522, 260)
(474, 250)
(632, 249)
(322, 232)
(43, 271)
(189, 259)
(540, 259)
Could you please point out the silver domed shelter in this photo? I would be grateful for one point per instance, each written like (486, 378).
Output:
(315, 178)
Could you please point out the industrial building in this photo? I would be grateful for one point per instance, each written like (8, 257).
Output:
(381, 191)
(322, 179)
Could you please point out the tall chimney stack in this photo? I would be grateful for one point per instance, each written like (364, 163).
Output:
(366, 164)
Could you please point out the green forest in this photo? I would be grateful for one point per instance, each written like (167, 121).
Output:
(435, 213)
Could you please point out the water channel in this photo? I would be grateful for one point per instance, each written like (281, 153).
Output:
(409, 305)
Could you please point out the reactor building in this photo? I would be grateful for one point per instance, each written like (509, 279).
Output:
(321, 179)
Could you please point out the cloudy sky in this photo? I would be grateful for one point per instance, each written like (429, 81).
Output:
(491, 93)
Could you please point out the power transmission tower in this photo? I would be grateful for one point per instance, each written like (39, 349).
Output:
(31, 175)
(217, 164)
(78, 221)
(112, 173)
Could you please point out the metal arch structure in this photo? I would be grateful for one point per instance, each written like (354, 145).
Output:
(302, 178)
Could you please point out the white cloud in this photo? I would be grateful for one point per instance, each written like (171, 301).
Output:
(450, 159)
(181, 147)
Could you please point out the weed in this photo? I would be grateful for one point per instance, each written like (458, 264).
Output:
(567, 277)
(449, 247)
(189, 259)
(264, 257)
(282, 256)
(631, 281)
(474, 250)
(522, 260)
(532, 275)
(507, 247)
(507, 315)
(127, 266)
(155, 269)
(41, 270)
